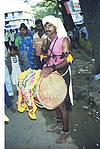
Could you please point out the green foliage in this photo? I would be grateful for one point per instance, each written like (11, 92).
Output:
(45, 8)
(85, 43)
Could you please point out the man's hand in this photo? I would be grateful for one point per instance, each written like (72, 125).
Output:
(46, 71)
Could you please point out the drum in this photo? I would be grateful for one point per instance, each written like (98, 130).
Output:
(51, 91)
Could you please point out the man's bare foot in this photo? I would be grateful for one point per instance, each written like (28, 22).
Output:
(62, 138)
(54, 127)
(13, 109)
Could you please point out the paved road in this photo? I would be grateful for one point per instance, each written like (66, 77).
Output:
(23, 133)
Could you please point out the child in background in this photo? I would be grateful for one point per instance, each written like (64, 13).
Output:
(8, 90)
(16, 71)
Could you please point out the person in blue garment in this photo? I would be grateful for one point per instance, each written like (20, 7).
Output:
(26, 51)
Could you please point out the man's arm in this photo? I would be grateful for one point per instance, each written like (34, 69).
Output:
(66, 47)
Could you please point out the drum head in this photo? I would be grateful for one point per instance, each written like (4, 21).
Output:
(51, 90)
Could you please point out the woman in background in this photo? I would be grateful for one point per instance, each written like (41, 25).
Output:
(26, 50)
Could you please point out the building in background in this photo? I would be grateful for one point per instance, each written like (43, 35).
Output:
(18, 14)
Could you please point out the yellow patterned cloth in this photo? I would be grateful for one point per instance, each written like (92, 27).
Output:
(27, 85)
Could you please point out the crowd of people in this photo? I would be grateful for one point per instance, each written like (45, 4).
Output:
(47, 49)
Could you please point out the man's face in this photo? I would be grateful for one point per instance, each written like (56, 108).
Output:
(50, 29)
(39, 27)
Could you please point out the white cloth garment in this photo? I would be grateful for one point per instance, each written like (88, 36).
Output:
(70, 85)
(8, 82)
(16, 71)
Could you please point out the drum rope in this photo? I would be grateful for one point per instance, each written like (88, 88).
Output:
(65, 72)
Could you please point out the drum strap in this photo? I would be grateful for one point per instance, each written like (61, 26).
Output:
(51, 50)
(55, 55)
(65, 72)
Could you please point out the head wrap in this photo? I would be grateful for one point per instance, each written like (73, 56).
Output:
(61, 32)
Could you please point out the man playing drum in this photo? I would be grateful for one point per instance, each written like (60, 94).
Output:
(58, 53)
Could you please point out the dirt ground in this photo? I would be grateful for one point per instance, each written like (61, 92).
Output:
(23, 133)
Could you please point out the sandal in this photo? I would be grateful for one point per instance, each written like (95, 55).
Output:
(58, 120)
(63, 137)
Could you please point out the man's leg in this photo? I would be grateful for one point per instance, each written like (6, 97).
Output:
(8, 101)
(65, 122)
(59, 117)
(65, 117)
(58, 124)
